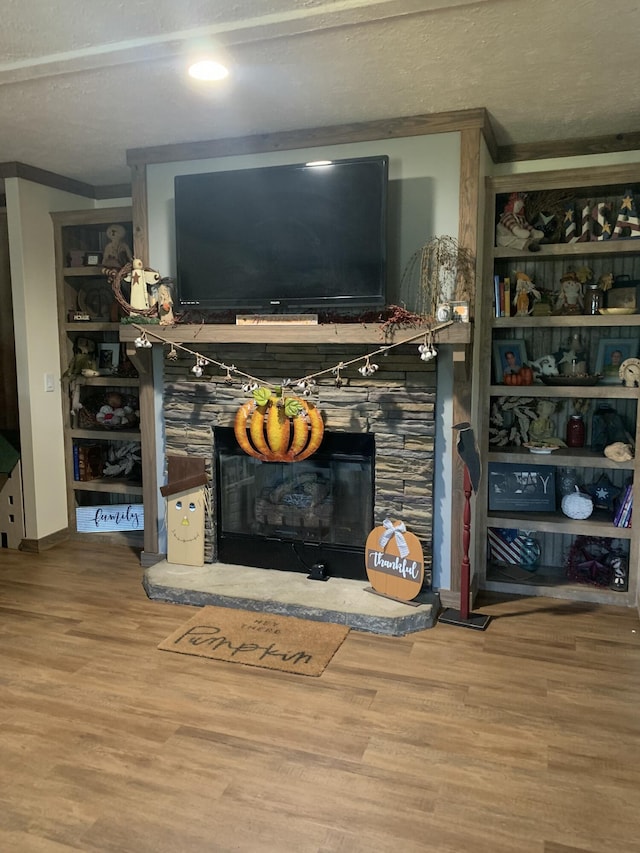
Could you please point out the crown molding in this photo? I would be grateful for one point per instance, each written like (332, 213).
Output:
(60, 182)
(568, 147)
(393, 128)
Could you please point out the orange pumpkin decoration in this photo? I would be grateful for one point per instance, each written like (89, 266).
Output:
(524, 376)
(279, 430)
(527, 375)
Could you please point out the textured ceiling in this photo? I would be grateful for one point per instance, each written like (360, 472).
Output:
(82, 81)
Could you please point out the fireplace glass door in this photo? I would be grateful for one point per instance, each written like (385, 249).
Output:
(291, 515)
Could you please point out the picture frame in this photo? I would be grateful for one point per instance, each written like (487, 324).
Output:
(108, 358)
(508, 357)
(460, 311)
(611, 353)
(92, 259)
(522, 488)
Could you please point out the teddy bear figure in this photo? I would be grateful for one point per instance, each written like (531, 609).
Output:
(513, 230)
(117, 252)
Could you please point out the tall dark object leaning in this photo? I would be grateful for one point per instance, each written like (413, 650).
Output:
(468, 453)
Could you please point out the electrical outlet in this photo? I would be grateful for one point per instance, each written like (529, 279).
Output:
(49, 384)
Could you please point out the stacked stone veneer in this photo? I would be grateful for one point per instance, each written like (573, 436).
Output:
(396, 404)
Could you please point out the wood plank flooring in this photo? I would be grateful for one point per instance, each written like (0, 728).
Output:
(521, 739)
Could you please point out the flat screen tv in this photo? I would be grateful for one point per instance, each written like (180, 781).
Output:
(283, 238)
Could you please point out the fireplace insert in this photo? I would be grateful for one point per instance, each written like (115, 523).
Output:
(299, 515)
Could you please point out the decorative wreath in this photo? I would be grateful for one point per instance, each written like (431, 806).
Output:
(115, 278)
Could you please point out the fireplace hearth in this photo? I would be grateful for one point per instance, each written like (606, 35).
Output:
(296, 516)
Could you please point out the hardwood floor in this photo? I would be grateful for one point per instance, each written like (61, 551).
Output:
(521, 739)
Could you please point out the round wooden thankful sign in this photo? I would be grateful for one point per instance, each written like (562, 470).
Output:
(394, 560)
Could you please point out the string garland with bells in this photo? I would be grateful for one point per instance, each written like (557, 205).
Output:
(279, 423)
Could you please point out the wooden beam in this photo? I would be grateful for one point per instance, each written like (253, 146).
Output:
(142, 361)
(469, 195)
(46, 178)
(140, 212)
(392, 128)
(60, 182)
(568, 147)
(578, 178)
(334, 334)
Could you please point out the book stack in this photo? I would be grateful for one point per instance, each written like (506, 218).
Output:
(88, 462)
(502, 296)
(622, 518)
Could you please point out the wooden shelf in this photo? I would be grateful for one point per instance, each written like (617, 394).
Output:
(542, 334)
(131, 539)
(91, 326)
(111, 381)
(550, 583)
(563, 457)
(112, 487)
(83, 272)
(596, 392)
(567, 321)
(106, 435)
(553, 251)
(83, 230)
(598, 524)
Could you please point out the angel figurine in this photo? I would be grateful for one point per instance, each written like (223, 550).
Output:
(140, 280)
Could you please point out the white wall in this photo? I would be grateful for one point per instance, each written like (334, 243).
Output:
(33, 287)
(426, 172)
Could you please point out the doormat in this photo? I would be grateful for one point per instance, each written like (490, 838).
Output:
(258, 639)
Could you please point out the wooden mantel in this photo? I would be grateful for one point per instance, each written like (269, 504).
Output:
(457, 334)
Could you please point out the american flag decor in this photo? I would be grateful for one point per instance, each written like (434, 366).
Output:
(627, 224)
(505, 545)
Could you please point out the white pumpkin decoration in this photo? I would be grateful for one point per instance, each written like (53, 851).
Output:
(577, 504)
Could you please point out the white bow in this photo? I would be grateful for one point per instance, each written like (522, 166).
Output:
(396, 531)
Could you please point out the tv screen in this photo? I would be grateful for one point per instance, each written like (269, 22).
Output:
(281, 238)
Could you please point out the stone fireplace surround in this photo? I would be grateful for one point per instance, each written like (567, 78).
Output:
(396, 404)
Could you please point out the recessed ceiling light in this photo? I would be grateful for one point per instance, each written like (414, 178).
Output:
(206, 69)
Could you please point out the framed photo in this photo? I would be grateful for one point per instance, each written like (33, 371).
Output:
(508, 357)
(108, 357)
(460, 311)
(92, 259)
(611, 353)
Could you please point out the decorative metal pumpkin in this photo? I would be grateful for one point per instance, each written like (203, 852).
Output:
(278, 429)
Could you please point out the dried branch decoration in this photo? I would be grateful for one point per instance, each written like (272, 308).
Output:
(440, 271)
